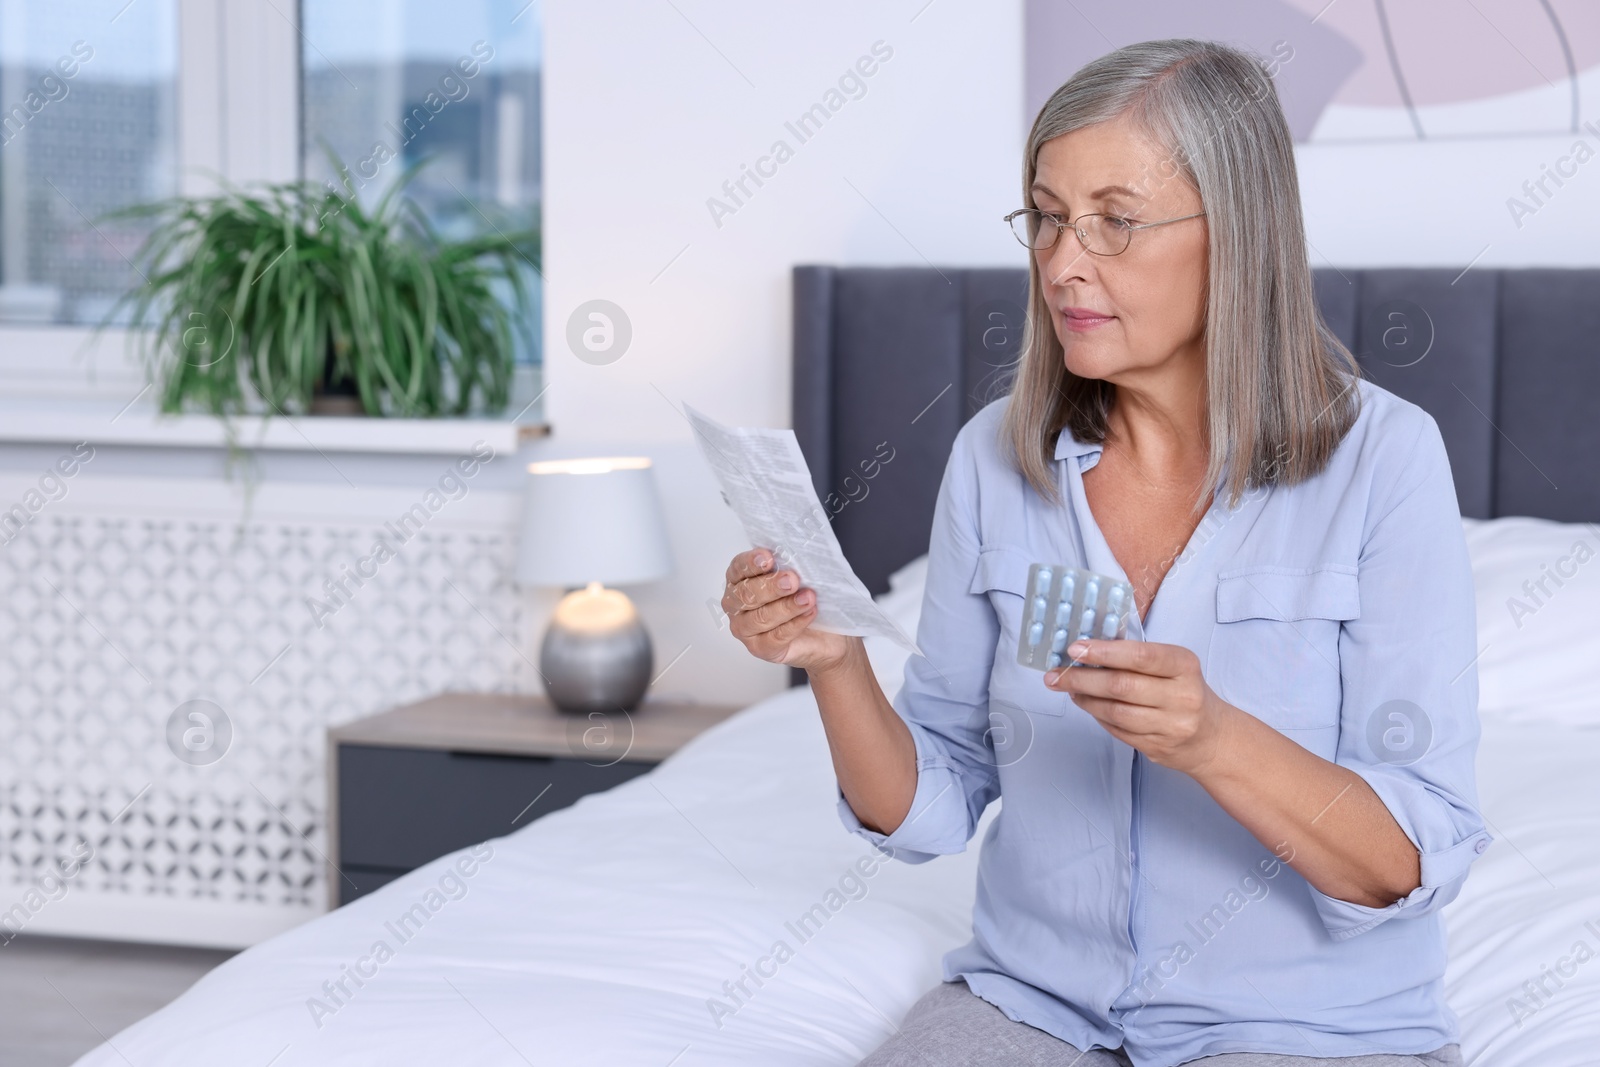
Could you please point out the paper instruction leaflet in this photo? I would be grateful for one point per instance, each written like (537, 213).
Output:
(766, 481)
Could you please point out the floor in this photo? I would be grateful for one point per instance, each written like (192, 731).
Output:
(63, 996)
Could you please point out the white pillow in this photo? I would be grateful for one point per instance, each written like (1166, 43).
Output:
(912, 575)
(903, 604)
(1538, 585)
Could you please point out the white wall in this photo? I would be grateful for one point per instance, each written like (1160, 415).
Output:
(647, 113)
(1443, 203)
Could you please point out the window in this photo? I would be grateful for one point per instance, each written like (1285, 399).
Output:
(387, 84)
(87, 125)
(108, 103)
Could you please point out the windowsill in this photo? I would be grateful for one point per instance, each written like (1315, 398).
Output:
(46, 421)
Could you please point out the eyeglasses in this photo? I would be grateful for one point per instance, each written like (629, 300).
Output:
(1103, 235)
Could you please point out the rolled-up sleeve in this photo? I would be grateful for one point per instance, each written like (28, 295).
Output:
(945, 698)
(1409, 718)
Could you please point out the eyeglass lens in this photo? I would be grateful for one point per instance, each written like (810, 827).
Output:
(1099, 234)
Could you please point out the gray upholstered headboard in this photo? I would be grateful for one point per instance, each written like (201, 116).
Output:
(1507, 362)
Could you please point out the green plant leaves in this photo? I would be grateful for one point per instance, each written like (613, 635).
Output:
(257, 299)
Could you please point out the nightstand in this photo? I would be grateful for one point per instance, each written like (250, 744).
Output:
(410, 784)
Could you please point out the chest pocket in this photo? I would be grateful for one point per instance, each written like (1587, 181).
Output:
(1002, 574)
(1275, 648)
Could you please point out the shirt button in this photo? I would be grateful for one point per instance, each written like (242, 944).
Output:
(1481, 845)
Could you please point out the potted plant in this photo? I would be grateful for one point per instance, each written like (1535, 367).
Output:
(292, 298)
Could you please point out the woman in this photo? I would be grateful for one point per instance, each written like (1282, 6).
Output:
(1226, 841)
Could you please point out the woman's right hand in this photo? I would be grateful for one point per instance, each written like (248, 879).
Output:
(771, 613)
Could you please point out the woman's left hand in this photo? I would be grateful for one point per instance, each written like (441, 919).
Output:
(1148, 695)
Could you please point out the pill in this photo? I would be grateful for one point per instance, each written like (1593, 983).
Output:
(1086, 624)
(1059, 641)
(1053, 660)
(1039, 606)
(1113, 614)
(1041, 582)
(1036, 633)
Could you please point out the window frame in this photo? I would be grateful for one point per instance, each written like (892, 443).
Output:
(238, 70)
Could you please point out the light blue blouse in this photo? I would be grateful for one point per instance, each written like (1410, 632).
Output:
(1117, 902)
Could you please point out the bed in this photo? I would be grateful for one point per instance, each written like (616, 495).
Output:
(714, 910)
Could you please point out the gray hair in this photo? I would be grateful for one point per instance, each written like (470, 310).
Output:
(1281, 388)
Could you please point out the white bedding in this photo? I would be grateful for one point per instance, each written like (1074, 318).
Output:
(600, 934)
(1528, 898)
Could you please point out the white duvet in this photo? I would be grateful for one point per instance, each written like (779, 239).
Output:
(664, 923)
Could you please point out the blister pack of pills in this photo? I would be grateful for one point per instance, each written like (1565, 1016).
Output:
(1064, 604)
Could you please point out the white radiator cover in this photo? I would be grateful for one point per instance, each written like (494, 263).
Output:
(128, 597)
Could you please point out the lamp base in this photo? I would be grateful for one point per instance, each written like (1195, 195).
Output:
(596, 653)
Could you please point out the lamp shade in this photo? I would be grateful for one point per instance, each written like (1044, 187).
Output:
(592, 520)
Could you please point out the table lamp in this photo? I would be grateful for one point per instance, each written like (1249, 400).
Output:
(593, 523)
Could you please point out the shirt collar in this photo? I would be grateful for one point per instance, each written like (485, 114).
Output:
(1067, 444)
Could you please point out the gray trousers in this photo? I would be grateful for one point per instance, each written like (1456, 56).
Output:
(950, 1026)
